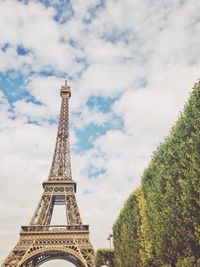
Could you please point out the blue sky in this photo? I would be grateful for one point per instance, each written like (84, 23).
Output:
(130, 65)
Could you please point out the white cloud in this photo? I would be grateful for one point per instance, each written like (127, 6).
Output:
(33, 27)
(89, 116)
(46, 90)
(10, 59)
(32, 111)
(4, 107)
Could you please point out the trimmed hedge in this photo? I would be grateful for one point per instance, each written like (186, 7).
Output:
(131, 242)
(126, 235)
(160, 223)
(104, 257)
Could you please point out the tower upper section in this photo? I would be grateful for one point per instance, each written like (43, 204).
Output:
(61, 164)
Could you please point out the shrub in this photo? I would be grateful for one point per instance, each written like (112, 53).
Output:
(104, 257)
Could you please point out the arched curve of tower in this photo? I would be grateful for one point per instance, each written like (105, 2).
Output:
(39, 258)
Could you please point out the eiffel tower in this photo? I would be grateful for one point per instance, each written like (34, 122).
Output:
(40, 241)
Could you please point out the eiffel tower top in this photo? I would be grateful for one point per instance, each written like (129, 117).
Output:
(65, 89)
(61, 164)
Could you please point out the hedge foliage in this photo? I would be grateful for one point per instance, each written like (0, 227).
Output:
(160, 222)
(131, 241)
(104, 257)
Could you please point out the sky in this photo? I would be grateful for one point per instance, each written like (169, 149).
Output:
(130, 65)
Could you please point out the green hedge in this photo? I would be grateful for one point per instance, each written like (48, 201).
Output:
(104, 257)
(131, 242)
(126, 235)
(160, 224)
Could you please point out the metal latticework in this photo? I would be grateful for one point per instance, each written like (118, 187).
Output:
(61, 165)
(40, 241)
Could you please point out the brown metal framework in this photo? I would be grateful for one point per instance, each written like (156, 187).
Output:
(40, 241)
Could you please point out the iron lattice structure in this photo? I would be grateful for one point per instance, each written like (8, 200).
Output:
(40, 241)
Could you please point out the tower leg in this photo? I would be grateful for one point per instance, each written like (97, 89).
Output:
(13, 258)
(72, 211)
(43, 213)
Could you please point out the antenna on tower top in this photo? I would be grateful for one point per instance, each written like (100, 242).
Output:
(66, 76)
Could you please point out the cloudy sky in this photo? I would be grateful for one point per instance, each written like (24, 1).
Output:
(131, 65)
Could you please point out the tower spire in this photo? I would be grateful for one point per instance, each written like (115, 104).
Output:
(61, 164)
